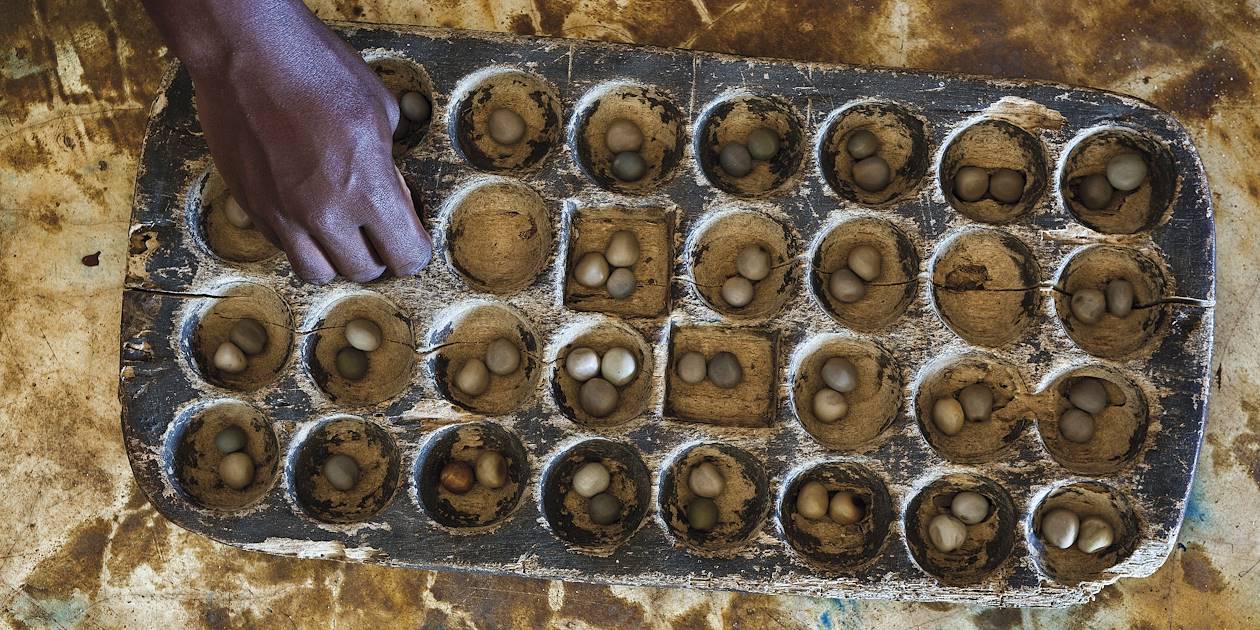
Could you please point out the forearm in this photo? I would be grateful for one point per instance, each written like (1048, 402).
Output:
(209, 33)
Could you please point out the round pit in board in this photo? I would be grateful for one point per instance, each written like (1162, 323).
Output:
(222, 225)
(613, 118)
(222, 454)
(749, 144)
(1117, 180)
(836, 514)
(971, 407)
(993, 171)
(941, 534)
(505, 120)
(471, 475)
(740, 261)
(1079, 531)
(1093, 420)
(487, 357)
(602, 374)
(496, 233)
(334, 354)
(864, 272)
(986, 285)
(862, 374)
(873, 152)
(344, 469)
(410, 85)
(1109, 299)
(244, 313)
(596, 493)
(729, 518)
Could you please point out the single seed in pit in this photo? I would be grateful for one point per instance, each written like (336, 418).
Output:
(840, 374)
(1095, 192)
(1088, 305)
(621, 283)
(829, 405)
(724, 370)
(249, 336)
(582, 364)
(872, 174)
(845, 286)
(591, 479)
(946, 532)
(811, 501)
(702, 514)
(473, 378)
(1006, 185)
(457, 477)
(236, 470)
(753, 262)
(862, 144)
(706, 480)
(236, 215)
(1126, 171)
(229, 358)
(623, 135)
(230, 439)
(363, 334)
(502, 357)
(1120, 297)
(506, 126)
(865, 262)
(491, 469)
(969, 507)
(1076, 426)
(604, 509)
(735, 159)
(351, 363)
(591, 270)
(691, 368)
(598, 397)
(341, 471)
(1088, 394)
(623, 249)
(619, 366)
(845, 508)
(415, 106)
(1059, 527)
(948, 415)
(738, 291)
(977, 401)
(971, 183)
(763, 143)
(629, 166)
(1095, 535)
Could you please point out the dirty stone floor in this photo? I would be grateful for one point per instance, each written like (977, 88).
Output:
(79, 546)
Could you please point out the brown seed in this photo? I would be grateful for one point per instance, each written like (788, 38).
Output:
(1088, 305)
(872, 174)
(971, 183)
(948, 415)
(457, 477)
(845, 508)
(1076, 426)
(977, 401)
(1006, 185)
(1089, 394)
(866, 262)
(862, 144)
(1095, 192)
(725, 371)
(811, 500)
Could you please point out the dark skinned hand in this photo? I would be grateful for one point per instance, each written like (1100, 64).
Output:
(300, 129)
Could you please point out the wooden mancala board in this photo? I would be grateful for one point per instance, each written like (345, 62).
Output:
(969, 292)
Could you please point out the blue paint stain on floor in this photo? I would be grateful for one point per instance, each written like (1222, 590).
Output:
(843, 614)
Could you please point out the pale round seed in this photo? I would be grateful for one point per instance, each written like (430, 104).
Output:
(845, 286)
(1088, 394)
(1006, 185)
(591, 479)
(1120, 297)
(506, 126)
(236, 215)
(763, 143)
(840, 374)
(811, 500)
(1076, 426)
(619, 366)
(969, 507)
(598, 397)
(725, 371)
(1095, 535)
(415, 107)
(738, 291)
(363, 334)
(230, 439)
(865, 262)
(702, 514)
(236, 470)
(229, 358)
(829, 405)
(1126, 171)
(351, 363)
(872, 174)
(629, 166)
(473, 377)
(845, 508)
(491, 469)
(948, 415)
(623, 135)
(691, 368)
(735, 159)
(623, 249)
(1088, 305)
(604, 509)
(591, 270)
(705, 480)
(1059, 527)
(1095, 192)
(971, 183)
(862, 144)
(582, 364)
(248, 335)
(503, 357)
(753, 262)
(977, 401)
(946, 533)
(621, 283)
(341, 471)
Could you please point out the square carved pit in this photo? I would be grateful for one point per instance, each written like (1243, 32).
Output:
(751, 403)
(589, 230)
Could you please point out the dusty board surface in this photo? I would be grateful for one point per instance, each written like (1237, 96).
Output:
(169, 270)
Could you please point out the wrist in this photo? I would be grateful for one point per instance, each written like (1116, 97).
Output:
(207, 34)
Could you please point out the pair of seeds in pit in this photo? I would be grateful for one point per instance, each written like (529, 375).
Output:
(848, 284)
(840, 376)
(722, 370)
(1124, 173)
(948, 532)
(502, 358)
(236, 469)
(363, 336)
(705, 480)
(814, 502)
(624, 140)
(1089, 305)
(736, 158)
(246, 338)
(612, 269)
(489, 469)
(1088, 397)
(870, 171)
(415, 109)
(752, 264)
(601, 377)
(973, 402)
(591, 481)
(1064, 528)
(1004, 185)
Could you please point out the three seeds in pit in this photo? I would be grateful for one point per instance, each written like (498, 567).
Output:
(602, 377)
(612, 269)
(736, 158)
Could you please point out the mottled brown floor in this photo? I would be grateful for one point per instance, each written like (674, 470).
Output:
(79, 546)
